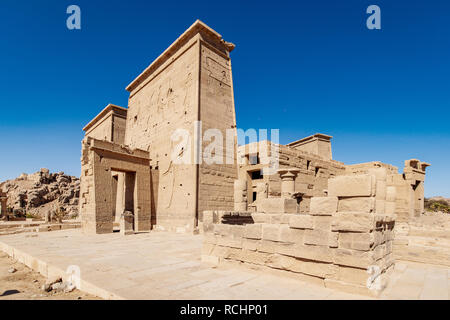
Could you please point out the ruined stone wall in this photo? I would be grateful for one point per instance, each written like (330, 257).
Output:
(164, 102)
(312, 178)
(217, 113)
(409, 185)
(342, 242)
(87, 190)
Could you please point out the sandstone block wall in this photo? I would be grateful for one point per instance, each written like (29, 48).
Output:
(190, 82)
(217, 112)
(312, 177)
(342, 242)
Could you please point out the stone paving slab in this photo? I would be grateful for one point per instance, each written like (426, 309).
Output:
(163, 265)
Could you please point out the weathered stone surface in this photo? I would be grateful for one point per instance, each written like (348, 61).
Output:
(390, 207)
(323, 205)
(391, 193)
(356, 241)
(363, 185)
(321, 238)
(353, 222)
(301, 221)
(380, 206)
(353, 258)
(253, 231)
(352, 275)
(277, 205)
(381, 190)
(261, 217)
(310, 252)
(379, 173)
(359, 204)
(250, 244)
(322, 223)
(271, 232)
(288, 234)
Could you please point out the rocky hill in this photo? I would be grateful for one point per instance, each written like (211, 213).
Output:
(437, 204)
(35, 194)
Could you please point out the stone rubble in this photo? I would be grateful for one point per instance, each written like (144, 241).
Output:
(42, 192)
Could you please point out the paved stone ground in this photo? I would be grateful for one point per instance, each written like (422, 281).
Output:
(160, 265)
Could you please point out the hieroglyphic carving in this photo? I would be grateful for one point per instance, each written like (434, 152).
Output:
(218, 71)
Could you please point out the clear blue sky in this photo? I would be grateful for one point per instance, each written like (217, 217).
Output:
(300, 66)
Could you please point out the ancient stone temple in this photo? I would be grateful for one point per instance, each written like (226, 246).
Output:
(127, 161)
(286, 207)
(129, 155)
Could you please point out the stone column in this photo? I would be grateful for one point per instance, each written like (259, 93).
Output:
(288, 176)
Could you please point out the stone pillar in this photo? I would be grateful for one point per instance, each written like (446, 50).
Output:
(240, 195)
(120, 200)
(288, 176)
(126, 223)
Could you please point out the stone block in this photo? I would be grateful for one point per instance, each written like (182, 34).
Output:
(356, 241)
(381, 190)
(380, 206)
(261, 217)
(273, 246)
(321, 238)
(353, 258)
(237, 231)
(253, 231)
(271, 232)
(391, 193)
(277, 205)
(222, 229)
(363, 185)
(379, 173)
(323, 205)
(225, 241)
(250, 244)
(290, 235)
(359, 204)
(313, 268)
(127, 223)
(301, 221)
(322, 222)
(389, 208)
(275, 218)
(255, 257)
(353, 222)
(353, 275)
(311, 252)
